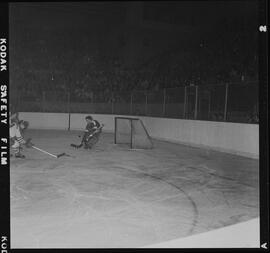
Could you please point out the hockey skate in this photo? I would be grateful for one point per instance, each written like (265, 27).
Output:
(19, 155)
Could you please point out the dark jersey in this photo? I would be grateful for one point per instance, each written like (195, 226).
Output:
(92, 126)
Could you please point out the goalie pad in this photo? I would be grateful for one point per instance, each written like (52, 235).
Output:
(89, 139)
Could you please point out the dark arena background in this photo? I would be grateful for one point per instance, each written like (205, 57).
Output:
(174, 86)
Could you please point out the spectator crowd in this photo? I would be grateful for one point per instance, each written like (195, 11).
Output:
(87, 75)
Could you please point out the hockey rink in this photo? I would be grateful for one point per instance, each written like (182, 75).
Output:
(112, 196)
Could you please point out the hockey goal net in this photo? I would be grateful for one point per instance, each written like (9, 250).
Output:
(131, 131)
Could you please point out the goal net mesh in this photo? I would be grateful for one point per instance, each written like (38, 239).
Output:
(132, 131)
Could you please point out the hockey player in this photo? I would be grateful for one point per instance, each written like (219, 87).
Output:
(13, 118)
(91, 133)
(16, 138)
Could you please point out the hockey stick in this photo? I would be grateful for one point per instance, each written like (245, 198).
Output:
(43, 151)
(48, 153)
(65, 154)
(76, 146)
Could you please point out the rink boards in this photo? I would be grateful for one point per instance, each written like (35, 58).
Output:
(235, 138)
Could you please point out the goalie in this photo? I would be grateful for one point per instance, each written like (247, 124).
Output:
(91, 134)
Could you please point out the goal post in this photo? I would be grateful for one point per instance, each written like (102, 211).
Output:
(131, 131)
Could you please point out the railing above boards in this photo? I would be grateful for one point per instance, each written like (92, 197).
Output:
(229, 102)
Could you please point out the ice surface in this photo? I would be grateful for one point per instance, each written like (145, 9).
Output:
(114, 197)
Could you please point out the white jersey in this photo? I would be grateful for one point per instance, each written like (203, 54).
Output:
(14, 131)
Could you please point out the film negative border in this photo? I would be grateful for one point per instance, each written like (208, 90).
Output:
(4, 124)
